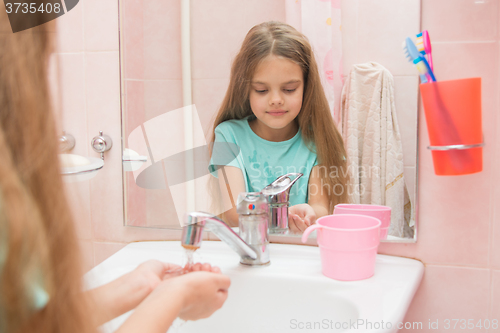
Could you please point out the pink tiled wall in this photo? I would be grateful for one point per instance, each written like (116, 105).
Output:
(88, 97)
(459, 226)
(372, 31)
(459, 231)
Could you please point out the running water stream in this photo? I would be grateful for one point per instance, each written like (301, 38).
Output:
(189, 260)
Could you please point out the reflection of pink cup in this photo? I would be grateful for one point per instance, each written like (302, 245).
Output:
(383, 213)
(348, 245)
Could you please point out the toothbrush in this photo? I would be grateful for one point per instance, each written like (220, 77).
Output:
(424, 46)
(413, 55)
(423, 77)
(419, 43)
(459, 159)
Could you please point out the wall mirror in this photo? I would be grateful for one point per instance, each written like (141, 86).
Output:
(175, 61)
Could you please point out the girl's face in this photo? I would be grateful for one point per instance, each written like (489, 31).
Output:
(276, 95)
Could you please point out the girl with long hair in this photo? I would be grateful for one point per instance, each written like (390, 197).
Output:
(274, 120)
(40, 271)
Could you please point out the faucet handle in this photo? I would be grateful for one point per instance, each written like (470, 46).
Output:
(252, 203)
(278, 191)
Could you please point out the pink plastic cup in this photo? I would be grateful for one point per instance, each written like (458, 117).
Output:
(348, 245)
(383, 213)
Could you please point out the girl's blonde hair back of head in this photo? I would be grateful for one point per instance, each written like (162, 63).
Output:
(315, 120)
(37, 231)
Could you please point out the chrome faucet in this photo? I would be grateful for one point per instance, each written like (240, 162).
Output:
(260, 213)
(253, 222)
(199, 221)
(278, 194)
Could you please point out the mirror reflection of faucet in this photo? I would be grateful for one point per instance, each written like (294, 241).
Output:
(253, 224)
(260, 213)
(278, 196)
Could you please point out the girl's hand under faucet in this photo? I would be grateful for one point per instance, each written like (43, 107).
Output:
(300, 217)
(128, 291)
(191, 296)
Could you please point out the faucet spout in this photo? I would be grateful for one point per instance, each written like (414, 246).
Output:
(199, 221)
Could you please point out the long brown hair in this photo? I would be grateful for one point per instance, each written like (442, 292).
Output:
(38, 244)
(314, 120)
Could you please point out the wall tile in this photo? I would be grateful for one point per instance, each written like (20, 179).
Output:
(78, 195)
(462, 60)
(406, 250)
(106, 188)
(161, 212)
(103, 251)
(495, 295)
(350, 31)
(133, 114)
(72, 89)
(495, 228)
(450, 292)
(449, 232)
(213, 47)
(161, 96)
(460, 20)
(458, 235)
(383, 26)
(406, 101)
(208, 96)
(103, 108)
(101, 25)
(162, 40)
(274, 11)
(293, 16)
(103, 91)
(133, 39)
(70, 31)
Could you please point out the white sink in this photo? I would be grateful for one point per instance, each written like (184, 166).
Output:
(289, 295)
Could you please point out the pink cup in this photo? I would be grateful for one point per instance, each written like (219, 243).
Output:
(348, 245)
(383, 213)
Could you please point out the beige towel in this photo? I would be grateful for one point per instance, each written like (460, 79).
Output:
(373, 144)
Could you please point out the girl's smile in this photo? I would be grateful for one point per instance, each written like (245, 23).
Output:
(276, 98)
(276, 112)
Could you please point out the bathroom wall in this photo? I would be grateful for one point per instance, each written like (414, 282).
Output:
(459, 221)
(88, 97)
(459, 227)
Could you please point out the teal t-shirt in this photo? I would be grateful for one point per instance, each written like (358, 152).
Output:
(262, 161)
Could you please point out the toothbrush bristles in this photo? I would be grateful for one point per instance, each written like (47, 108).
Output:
(406, 52)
